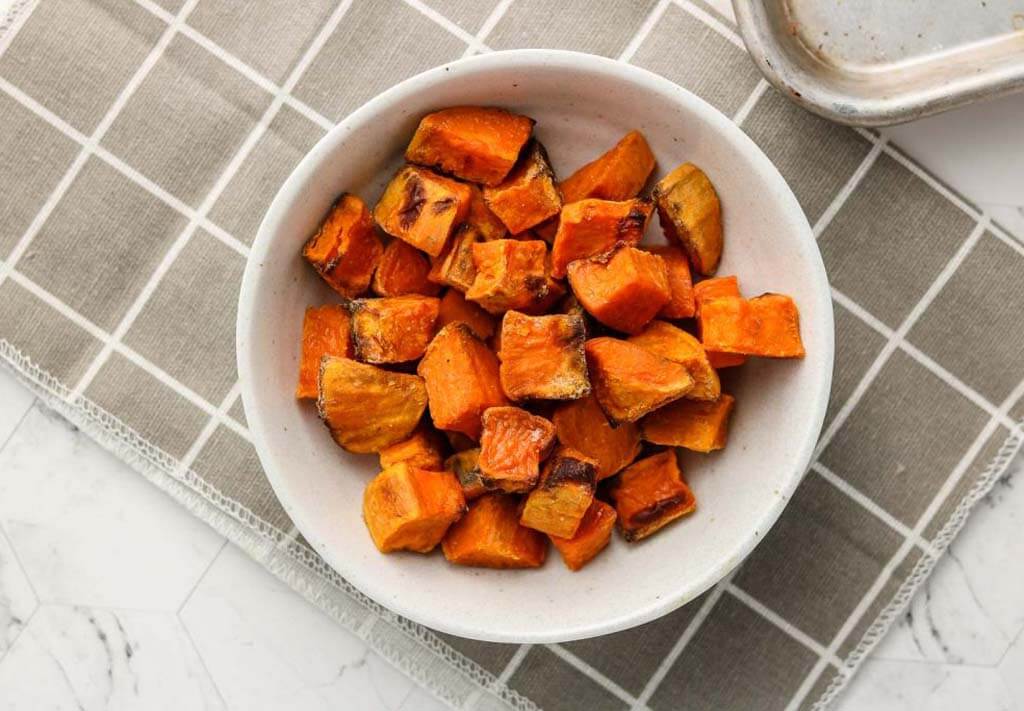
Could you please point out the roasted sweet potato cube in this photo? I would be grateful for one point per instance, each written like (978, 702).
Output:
(623, 289)
(408, 508)
(592, 536)
(326, 331)
(563, 494)
(528, 195)
(461, 375)
(476, 143)
(513, 274)
(542, 357)
(346, 248)
(680, 283)
(582, 425)
(590, 227)
(481, 217)
(393, 330)
(454, 307)
(618, 174)
(489, 536)
(422, 449)
(649, 494)
(403, 270)
(454, 267)
(630, 381)
(767, 325)
(512, 446)
(681, 347)
(710, 289)
(367, 408)
(691, 215)
(465, 465)
(422, 208)
(700, 426)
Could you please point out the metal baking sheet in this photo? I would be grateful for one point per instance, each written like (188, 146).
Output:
(880, 62)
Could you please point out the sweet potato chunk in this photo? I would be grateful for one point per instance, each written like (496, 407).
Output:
(700, 426)
(512, 446)
(476, 143)
(346, 249)
(649, 494)
(691, 215)
(367, 408)
(407, 508)
(542, 357)
(393, 330)
(489, 536)
(711, 289)
(582, 425)
(481, 217)
(593, 534)
(454, 267)
(680, 283)
(618, 174)
(465, 465)
(630, 381)
(679, 346)
(767, 325)
(325, 332)
(454, 307)
(403, 270)
(513, 274)
(422, 449)
(623, 289)
(461, 375)
(528, 195)
(422, 208)
(563, 495)
(590, 227)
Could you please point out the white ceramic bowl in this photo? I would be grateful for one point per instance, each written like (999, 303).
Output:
(582, 105)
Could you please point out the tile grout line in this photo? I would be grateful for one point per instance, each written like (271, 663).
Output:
(490, 22)
(851, 184)
(711, 21)
(649, 23)
(188, 596)
(751, 101)
(593, 674)
(440, 20)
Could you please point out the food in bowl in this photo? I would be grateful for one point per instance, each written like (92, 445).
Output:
(560, 421)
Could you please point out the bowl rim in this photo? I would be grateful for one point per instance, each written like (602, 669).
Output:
(289, 193)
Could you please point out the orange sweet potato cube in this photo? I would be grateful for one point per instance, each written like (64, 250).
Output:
(691, 215)
(583, 426)
(513, 274)
(630, 381)
(465, 465)
(562, 496)
(528, 195)
(393, 330)
(422, 208)
(346, 248)
(542, 357)
(767, 325)
(480, 217)
(403, 270)
(710, 289)
(454, 307)
(592, 536)
(512, 446)
(623, 289)
(461, 375)
(680, 283)
(649, 494)
(408, 508)
(618, 174)
(325, 332)
(695, 425)
(489, 536)
(590, 227)
(476, 143)
(422, 449)
(681, 347)
(454, 267)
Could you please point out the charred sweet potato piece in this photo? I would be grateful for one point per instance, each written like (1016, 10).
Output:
(403, 270)
(679, 346)
(582, 425)
(691, 215)
(465, 465)
(512, 446)
(623, 289)
(700, 426)
(422, 208)
(630, 381)
(489, 536)
(393, 330)
(325, 332)
(481, 217)
(454, 307)
(367, 408)
(513, 274)
(767, 325)
(528, 195)
(454, 267)
(346, 248)
(592, 536)
(649, 494)
(408, 508)
(461, 375)
(563, 495)
(680, 283)
(542, 357)
(618, 174)
(590, 227)
(476, 143)
(422, 449)
(710, 289)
